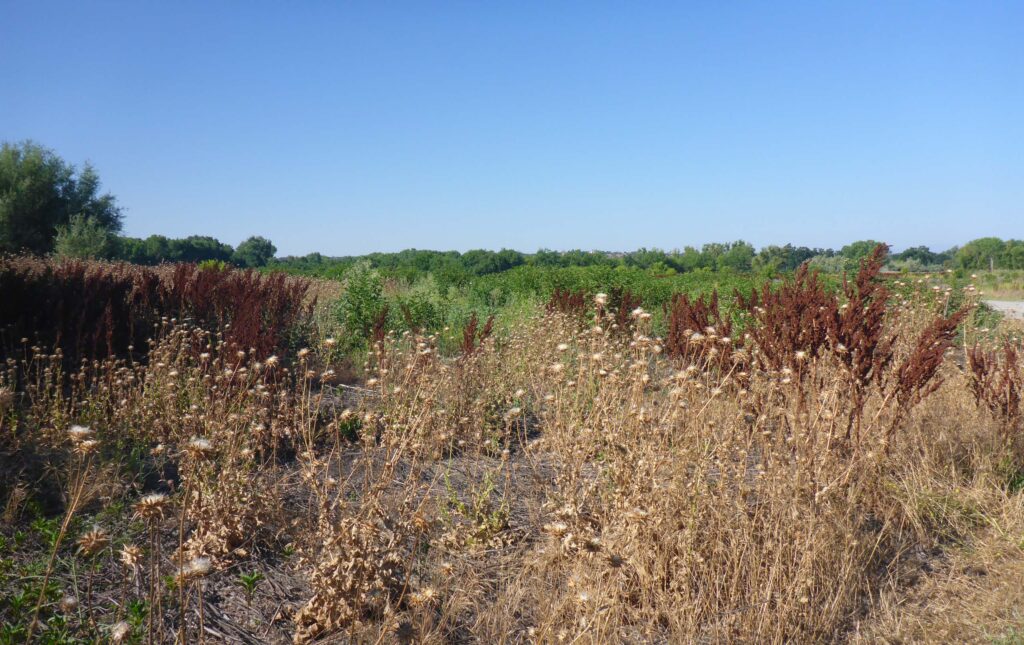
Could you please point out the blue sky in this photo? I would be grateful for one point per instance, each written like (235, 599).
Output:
(354, 127)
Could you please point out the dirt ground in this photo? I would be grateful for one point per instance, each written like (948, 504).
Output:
(1010, 308)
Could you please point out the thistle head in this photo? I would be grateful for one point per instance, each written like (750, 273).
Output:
(151, 506)
(120, 631)
(93, 542)
(194, 569)
(68, 603)
(87, 447)
(79, 433)
(130, 555)
(198, 448)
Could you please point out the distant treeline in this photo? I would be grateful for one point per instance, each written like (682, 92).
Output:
(48, 206)
(157, 249)
(452, 266)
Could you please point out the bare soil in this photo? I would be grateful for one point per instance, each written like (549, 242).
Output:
(1010, 308)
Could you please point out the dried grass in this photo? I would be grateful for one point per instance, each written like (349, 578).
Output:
(579, 479)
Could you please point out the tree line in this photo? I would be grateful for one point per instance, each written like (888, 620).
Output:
(48, 206)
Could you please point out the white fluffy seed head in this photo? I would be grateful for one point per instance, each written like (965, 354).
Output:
(79, 433)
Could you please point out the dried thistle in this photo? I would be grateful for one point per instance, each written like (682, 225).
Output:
(997, 382)
(152, 506)
(194, 569)
(79, 433)
(198, 448)
(130, 556)
(120, 631)
(93, 541)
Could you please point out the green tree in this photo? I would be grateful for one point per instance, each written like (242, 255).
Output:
(157, 248)
(547, 258)
(85, 237)
(771, 259)
(646, 258)
(854, 252)
(40, 192)
(690, 259)
(919, 258)
(254, 252)
(830, 263)
(130, 249)
(198, 248)
(482, 262)
(858, 250)
(739, 256)
(784, 258)
(983, 253)
(1013, 255)
(710, 253)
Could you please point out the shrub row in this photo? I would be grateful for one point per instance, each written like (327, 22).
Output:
(94, 309)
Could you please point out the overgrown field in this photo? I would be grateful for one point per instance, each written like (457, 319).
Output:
(198, 454)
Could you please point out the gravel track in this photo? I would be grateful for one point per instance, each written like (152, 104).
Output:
(1010, 308)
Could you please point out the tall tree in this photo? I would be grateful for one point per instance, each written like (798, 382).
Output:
(40, 192)
(982, 253)
(738, 257)
(254, 252)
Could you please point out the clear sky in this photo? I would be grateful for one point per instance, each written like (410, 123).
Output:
(354, 127)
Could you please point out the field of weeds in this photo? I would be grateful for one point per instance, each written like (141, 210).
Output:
(189, 458)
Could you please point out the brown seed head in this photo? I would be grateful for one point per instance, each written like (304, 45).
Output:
(130, 556)
(119, 632)
(93, 542)
(151, 506)
(198, 448)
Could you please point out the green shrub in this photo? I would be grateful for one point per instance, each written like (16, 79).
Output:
(213, 265)
(421, 307)
(362, 302)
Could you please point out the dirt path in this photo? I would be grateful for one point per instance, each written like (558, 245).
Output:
(1011, 308)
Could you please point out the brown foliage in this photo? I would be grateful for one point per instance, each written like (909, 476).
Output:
(573, 303)
(690, 319)
(623, 302)
(801, 316)
(915, 377)
(997, 382)
(380, 326)
(95, 309)
(256, 310)
(800, 321)
(358, 573)
(471, 339)
(857, 329)
(793, 318)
